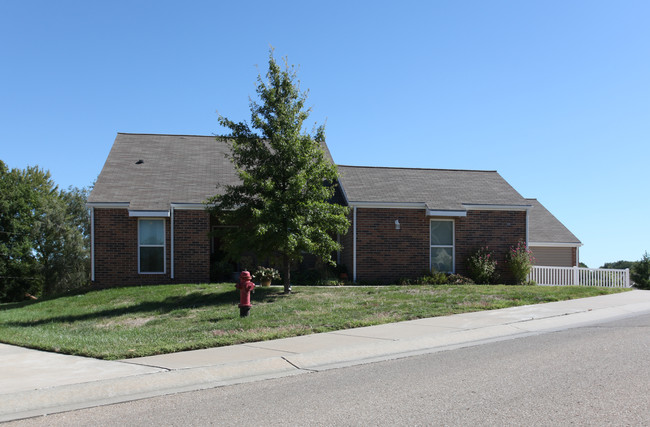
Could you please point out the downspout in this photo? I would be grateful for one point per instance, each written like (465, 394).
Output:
(354, 245)
(92, 244)
(172, 241)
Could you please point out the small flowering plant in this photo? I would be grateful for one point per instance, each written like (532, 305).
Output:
(520, 260)
(482, 266)
(266, 273)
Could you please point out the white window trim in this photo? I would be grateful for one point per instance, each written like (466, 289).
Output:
(453, 243)
(164, 246)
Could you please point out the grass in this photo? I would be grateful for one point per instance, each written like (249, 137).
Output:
(141, 321)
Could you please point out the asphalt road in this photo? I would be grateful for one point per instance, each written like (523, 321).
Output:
(594, 375)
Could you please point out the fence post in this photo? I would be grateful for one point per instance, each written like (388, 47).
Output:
(576, 276)
(627, 277)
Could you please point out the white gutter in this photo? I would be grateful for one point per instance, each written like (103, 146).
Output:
(354, 245)
(108, 205)
(389, 205)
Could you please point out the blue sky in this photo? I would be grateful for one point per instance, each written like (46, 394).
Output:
(555, 95)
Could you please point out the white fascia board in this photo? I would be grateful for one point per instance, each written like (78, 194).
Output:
(555, 244)
(431, 212)
(477, 207)
(189, 206)
(388, 205)
(108, 205)
(162, 214)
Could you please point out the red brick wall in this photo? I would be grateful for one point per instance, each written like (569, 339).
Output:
(385, 254)
(191, 246)
(116, 249)
(498, 230)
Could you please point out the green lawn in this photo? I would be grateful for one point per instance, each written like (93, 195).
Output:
(140, 321)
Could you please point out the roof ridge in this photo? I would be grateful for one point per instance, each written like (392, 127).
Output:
(425, 169)
(165, 134)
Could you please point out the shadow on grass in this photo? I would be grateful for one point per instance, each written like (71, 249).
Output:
(191, 301)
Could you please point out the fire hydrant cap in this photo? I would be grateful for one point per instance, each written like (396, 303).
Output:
(245, 275)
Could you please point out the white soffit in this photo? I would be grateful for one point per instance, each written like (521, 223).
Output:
(189, 206)
(476, 207)
(431, 212)
(149, 214)
(555, 244)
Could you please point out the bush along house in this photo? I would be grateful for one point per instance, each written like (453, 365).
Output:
(149, 224)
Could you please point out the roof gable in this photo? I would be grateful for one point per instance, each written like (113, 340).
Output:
(546, 228)
(173, 169)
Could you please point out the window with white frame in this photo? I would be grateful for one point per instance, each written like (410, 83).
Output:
(442, 245)
(151, 246)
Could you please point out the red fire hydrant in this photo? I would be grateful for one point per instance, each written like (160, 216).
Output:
(245, 287)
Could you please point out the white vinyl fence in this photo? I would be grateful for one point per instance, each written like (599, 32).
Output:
(578, 276)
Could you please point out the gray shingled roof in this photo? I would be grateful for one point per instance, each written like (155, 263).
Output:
(188, 169)
(439, 189)
(175, 169)
(545, 228)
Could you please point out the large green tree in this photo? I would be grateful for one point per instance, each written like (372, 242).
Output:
(282, 205)
(44, 244)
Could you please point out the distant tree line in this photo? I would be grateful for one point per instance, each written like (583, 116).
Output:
(639, 270)
(44, 235)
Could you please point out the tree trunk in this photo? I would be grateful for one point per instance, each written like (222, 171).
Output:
(287, 275)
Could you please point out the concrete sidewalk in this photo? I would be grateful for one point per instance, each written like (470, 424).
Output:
(36, 383)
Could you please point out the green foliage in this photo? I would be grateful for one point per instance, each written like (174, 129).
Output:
(44, 239)
(482, 266)
(640, 273)
(520, 260)
(281, 206)
(437, 278)
(457, 279)
(266, 273)
(619, 265)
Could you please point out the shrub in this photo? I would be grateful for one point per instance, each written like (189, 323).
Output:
(640, 273)
(266, 273)
(457, 279)
(437, 278)
(520, 260)
(482, 266)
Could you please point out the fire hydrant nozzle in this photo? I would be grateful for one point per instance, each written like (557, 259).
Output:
(245, 287)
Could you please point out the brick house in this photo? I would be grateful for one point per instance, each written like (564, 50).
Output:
(406, 221)
(149, 225)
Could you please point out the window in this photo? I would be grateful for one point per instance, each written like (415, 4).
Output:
(442, 245)
(151, 245)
